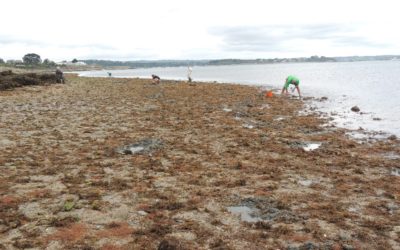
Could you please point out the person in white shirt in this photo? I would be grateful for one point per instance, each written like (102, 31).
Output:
(189, 74)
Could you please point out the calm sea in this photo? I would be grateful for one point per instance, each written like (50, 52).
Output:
(373, 86)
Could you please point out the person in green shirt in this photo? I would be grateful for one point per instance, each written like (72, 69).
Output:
(291, 80)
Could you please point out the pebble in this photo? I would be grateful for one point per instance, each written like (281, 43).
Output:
(141, 212)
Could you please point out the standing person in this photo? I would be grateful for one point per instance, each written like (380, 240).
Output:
(189, 74)
(156, 79)
(59, 76)
(291, 80)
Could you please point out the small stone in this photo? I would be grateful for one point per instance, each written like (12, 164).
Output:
(142, 212)
(167, 245)
(308, 246)
(127, 152)
(347, 247)
(355, 109)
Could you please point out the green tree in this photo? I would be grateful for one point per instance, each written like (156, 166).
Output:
(2, 61)
(31, 59)
(75, 60)
(48, 63)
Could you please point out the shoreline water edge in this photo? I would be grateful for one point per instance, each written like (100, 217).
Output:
(120, 163)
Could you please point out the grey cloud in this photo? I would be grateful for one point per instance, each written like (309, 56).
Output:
(120, 56)
(248, 38)
(87, 45)
(91, 50)
(276, 38)
(9, 40)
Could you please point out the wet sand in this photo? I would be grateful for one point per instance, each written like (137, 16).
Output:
(107, 163)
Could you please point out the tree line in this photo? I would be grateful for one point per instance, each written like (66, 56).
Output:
(29, 60)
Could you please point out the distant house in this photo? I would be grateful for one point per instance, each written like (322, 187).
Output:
(79, 63)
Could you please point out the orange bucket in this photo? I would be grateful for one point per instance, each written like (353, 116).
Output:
(269, 94)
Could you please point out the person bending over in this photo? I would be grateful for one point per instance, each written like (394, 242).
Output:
(291, 80)
(59, 76)
(156, 79)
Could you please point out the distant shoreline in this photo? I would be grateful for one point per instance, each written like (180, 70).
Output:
(214, 62)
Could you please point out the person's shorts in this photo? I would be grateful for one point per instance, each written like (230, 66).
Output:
(288, 83)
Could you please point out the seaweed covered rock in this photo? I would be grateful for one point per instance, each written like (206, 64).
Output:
(25, 80)
(10, 80)
(355, 109)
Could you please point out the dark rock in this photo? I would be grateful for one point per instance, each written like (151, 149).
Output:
(308, 246)
(348, 247)
(9, 80)
(141, 147)
(167, 245)
(25, 80)
(262, 225)
(392, 137)
(23, 244)
(355, 109)
(127, 151)
(219, 244)
(6, 73)
(324, 98)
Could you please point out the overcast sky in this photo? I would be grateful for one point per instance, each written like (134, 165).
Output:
(201, 29)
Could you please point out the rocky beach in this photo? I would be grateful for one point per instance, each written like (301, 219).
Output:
(116, 163)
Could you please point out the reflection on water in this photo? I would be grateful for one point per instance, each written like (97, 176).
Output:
(247, 214)
(305, 183)
(311, 146)
(395, 171)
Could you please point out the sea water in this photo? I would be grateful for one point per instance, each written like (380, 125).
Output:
(373, 86)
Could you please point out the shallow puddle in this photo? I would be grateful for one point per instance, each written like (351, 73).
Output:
(143, 146)
(136, 149)
(264, 106)
(311, 146)
(364, 136)
(227, 110)
(249, 126)
(395, 171)
(305, 183)
(353, 209)
(391, 156)
(246, 213)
